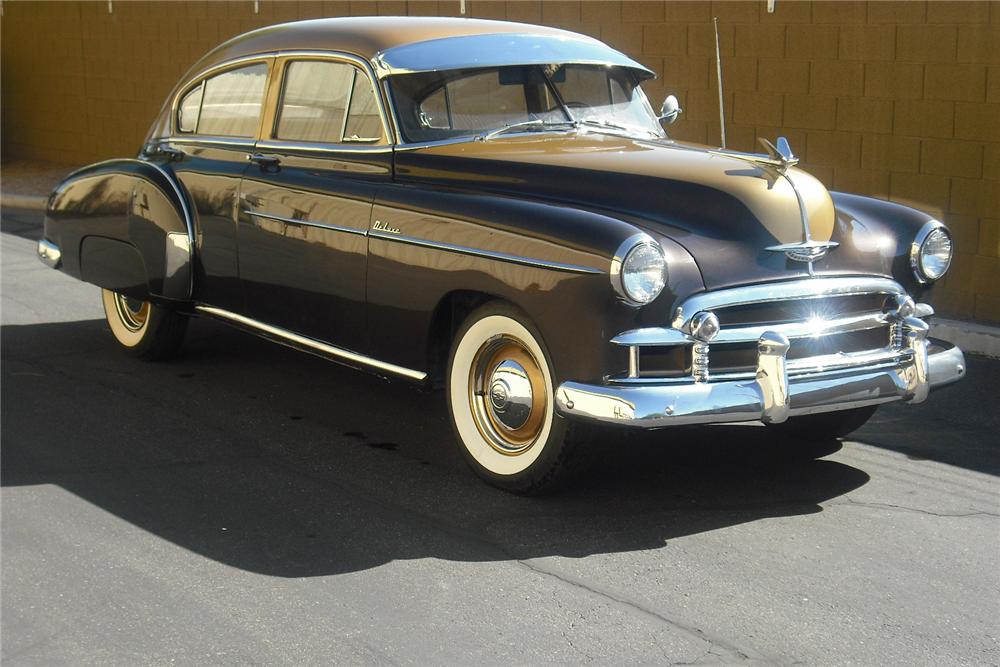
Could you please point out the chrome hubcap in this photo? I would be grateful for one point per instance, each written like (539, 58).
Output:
(507, 394)
(510, 394)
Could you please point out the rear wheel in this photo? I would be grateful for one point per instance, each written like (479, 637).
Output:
(501, 401)
(147, 330)
(825, 425)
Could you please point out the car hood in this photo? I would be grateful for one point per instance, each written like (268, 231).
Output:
(724, 210)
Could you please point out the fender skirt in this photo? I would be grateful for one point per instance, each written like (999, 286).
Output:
(125, 225)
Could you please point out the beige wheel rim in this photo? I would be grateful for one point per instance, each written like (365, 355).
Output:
(132, 312)
(127, 318)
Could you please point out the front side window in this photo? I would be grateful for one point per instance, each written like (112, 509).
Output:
(230, 103)
(327, 102)
(463, 103)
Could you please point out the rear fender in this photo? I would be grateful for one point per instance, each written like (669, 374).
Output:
(125, 225)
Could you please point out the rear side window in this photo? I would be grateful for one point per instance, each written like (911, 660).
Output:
(327, 102)
(227, 104)
(190, 107)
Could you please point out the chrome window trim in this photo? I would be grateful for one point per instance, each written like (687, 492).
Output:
(485, 254)
(202, 76)
(307, 223)
(918, 242)
(781, 291)
(312, 344)
(361, 63)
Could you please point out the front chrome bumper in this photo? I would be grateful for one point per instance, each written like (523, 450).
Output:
(772, 395)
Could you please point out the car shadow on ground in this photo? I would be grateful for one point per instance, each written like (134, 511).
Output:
(274, 462)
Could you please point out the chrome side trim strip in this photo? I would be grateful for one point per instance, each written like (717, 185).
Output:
(486, 254)
(312, 344)
(307, 223)
(795, 289)
(49, 254)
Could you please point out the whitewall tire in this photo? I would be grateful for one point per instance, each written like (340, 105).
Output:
(501, 401)
(148, 330)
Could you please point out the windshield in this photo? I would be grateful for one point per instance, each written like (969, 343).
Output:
(451, 104)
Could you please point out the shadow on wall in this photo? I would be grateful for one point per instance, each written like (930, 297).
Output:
(273, 462)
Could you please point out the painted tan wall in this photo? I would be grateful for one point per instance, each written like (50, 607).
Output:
(895, 100)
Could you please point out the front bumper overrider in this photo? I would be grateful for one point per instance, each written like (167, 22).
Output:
(776, 391)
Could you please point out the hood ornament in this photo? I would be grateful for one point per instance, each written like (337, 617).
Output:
(776, 163)
(781, 159)
(781, 155)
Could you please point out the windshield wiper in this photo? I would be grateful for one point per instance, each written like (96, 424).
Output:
(608, 125)
(542, 124)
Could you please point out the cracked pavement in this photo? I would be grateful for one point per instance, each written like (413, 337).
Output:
(249, 504)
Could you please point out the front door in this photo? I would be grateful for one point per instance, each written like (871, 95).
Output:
(306, 201)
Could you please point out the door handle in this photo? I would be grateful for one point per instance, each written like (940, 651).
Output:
(263, 160)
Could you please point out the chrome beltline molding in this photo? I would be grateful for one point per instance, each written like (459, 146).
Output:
(486, 254)
(332, 351)
(307, 223)
(808, 288)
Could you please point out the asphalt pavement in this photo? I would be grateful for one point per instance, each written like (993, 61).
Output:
(249, 504)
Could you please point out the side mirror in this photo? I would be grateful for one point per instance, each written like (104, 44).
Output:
(669, 110)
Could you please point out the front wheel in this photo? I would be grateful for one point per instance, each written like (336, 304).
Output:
(501, 401)
(147, 330)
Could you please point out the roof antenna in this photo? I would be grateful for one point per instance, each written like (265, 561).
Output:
(718, 74)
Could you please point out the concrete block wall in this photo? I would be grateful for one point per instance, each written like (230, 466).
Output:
(899, 100)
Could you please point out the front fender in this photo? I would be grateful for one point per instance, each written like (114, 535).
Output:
(550, 261)
(125, 225)
(884, 228)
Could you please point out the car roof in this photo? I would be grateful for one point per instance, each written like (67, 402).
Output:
(363, 36)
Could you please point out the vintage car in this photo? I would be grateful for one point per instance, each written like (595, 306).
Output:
(495, 209)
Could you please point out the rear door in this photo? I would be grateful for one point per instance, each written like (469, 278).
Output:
(215, 126)
(306, 200)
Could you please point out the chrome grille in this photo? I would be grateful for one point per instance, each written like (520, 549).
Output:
(828, 322)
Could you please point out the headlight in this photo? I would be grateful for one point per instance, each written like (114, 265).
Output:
(640, 273)
(931, 252)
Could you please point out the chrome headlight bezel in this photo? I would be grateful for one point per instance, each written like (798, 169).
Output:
(619, 268)
(930, 231)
